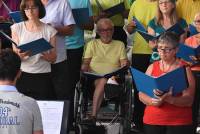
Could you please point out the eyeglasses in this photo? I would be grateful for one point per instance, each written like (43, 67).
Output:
(165, 50)
(105, 30)
(164, 2)
(30, 8)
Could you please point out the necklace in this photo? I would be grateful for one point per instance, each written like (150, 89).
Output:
(166, 70)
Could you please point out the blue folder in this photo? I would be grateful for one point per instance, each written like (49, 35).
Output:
(35, 47)
(139, 26)
(192, 30)
(176, 28)
(108, 75)
(146, 84)
(16, 16)
(81, 16)
(185, 52)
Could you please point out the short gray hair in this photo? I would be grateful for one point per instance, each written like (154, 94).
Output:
(169, 38)
(104, 21)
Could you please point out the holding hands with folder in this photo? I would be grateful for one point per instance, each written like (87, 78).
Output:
(31, 38)
(163, 110)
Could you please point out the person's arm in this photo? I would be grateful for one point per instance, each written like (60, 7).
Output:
(124, 62)
(15, 38)
(50, 56)
(130, 27)
(38, 132)
(187, 97)
(65, 30)
(85, 67)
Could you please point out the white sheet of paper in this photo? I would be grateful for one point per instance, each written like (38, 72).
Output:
(51, 112)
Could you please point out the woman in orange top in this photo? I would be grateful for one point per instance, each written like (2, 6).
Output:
(167, 114)
(194, 41)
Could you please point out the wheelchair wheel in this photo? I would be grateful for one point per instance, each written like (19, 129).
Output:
(125, 124)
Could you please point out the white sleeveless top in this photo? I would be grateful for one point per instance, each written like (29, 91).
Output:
(34, 64)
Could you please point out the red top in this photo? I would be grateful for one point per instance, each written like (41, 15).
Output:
(166, 114)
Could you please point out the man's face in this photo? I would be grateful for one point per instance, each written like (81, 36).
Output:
(105, 32)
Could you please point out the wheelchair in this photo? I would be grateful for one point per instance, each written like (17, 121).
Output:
(116, 107)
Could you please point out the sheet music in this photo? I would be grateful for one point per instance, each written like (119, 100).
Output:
(52, 112)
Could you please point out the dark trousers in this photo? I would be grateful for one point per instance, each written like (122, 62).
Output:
(38, 86)
(140, 62)
(156, 129)
(195, 106)
(59, 80)
(74, 60)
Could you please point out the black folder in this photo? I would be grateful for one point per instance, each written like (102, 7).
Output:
(35, 47)
(108, 75)
(147, 84)
(117, 9)
(81, 16)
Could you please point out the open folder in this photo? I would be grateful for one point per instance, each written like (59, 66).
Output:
(81, 16)
(35, 47)
(176, 28)
(117, 9)
(139, 25)
(177, 79)
(16, 16)
(108, 75)
(192, 30)
(189, 54)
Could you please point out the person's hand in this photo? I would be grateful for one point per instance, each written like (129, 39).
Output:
(131, 26)
(85, 68)
(153, 44)
(48, 57)
(158, 93)
(160, 97)
(2, 19)
(23, 55)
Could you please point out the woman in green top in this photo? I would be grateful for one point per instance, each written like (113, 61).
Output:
(165, 18)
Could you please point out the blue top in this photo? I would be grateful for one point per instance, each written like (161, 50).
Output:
(160, 29)
(77, 39)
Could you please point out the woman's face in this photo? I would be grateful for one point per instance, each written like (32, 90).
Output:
(166, 6)
(31, 10)
(167, 52)
(197, 22)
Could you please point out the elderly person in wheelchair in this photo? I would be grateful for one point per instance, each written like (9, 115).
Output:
(103, 56)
